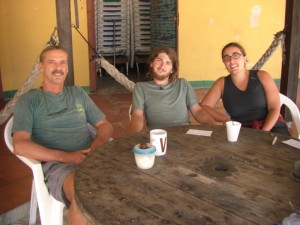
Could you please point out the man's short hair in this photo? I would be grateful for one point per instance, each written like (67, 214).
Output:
(50, 48)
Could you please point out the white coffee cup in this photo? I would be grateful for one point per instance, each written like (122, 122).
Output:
(158, 138)
(233, 130)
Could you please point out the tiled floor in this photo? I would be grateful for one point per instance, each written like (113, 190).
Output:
(15, 177)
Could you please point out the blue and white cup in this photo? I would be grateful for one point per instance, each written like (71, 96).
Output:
(144, 155)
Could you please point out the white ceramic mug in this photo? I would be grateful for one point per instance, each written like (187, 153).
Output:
(158, 138)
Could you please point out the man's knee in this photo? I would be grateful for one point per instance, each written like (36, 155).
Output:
(68, 186)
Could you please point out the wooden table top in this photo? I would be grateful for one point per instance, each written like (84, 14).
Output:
(200, 180)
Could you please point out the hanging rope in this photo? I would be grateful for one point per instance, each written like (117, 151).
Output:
(112, 71)
(279, 38)
(27, 85)
(129, 85)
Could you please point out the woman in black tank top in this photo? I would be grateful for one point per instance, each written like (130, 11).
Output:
(249, 96)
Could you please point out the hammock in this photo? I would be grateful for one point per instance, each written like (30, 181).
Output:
(112, 71)
(27, 85)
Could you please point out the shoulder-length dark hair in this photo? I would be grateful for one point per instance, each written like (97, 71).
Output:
(173, 57)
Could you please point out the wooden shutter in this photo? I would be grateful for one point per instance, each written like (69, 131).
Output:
(163, 23)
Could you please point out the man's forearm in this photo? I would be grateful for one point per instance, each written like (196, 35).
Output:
(103, 134)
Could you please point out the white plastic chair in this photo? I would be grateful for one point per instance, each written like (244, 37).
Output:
(293, 109)
(51, 210)
(130, 112)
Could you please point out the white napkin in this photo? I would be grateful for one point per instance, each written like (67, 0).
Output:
(293, 143)
(206, 133)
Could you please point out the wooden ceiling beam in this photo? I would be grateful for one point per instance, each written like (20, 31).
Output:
(64, 29)
(290, 62)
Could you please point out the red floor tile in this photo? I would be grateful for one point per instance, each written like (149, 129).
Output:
(15, 194)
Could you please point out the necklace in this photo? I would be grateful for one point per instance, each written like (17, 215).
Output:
(160, 86)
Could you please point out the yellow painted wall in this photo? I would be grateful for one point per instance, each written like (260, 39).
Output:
(80, 47)
(206, 26)
(25, 28)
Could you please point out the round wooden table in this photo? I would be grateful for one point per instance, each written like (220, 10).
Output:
(200, 180)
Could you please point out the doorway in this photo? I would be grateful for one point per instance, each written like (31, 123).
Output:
(160, 29)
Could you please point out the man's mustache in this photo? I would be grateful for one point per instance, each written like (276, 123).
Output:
(57, 71)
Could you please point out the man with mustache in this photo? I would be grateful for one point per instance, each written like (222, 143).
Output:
(51, 125)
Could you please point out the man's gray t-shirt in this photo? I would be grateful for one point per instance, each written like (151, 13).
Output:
(57, 121)
(164, 106)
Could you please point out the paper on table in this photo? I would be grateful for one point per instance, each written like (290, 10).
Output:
(206, 133)
(292, 143)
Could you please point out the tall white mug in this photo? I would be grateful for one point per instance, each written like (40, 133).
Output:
(158, 138)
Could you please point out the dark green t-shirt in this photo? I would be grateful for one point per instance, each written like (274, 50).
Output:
(164, 106)
(57, 121)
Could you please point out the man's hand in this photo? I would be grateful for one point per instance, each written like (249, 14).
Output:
(76, 157)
